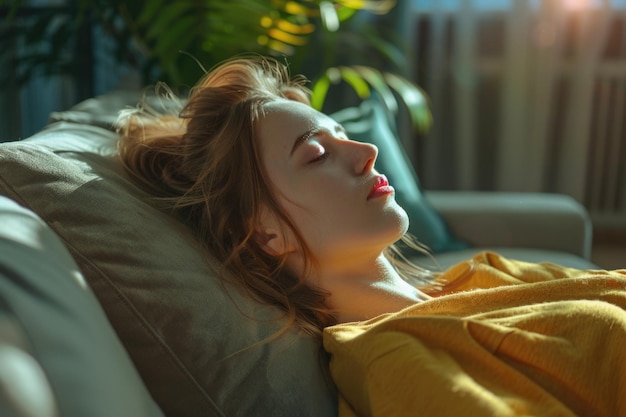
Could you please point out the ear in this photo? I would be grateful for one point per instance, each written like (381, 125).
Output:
(272, 236)
(272, 241)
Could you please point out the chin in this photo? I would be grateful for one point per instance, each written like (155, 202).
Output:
(398, 226)
(403, 221)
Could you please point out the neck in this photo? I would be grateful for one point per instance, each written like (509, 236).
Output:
(365, 289)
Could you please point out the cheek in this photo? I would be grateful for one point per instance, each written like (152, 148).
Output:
(309, 217)
(277, 177)
(312, 200)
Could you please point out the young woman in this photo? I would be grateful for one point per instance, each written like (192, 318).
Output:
(297, 213)
(289, 204)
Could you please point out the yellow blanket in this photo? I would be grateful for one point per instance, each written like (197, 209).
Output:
(500, 338)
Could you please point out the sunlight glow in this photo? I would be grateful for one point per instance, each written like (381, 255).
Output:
(281, 47)
(285, 37)
(294, 8)
(380, 6)
(578, 4)
(282, 24)
(329, 16)
(421, 6)
(266, 21)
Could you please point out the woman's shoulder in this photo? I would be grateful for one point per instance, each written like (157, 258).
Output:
(489, 269)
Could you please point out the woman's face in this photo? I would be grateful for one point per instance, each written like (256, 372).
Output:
(327, 184)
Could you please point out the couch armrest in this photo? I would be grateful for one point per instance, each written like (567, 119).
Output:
(529, 220)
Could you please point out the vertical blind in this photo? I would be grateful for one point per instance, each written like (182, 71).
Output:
(526, 96)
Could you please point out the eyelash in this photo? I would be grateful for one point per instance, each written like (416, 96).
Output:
(323, 156)
(320, 158)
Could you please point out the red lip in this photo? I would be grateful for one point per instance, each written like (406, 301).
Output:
(381, 187)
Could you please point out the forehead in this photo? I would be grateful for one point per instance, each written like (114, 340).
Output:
(283, 121)
(293, 114)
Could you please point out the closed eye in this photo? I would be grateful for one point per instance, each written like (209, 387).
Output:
(320, 158)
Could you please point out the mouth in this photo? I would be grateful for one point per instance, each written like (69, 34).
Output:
(381, 188)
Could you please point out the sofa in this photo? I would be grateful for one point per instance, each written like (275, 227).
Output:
(109, 306)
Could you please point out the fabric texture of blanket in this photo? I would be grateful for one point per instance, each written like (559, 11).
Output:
(499, 338)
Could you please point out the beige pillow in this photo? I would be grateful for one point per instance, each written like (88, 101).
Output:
(184, 331)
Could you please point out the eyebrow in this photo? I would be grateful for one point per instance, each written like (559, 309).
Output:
(307, 135)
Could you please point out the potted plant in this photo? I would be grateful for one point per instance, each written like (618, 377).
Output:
(173, 41)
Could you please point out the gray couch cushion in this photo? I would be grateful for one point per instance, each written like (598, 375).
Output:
(190, 337)
(58, 352)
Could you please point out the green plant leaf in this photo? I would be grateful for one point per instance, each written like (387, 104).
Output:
(377, 80)
(319, 91)
(167, 17)
(149, 35)
(150, 11)
(176, 38)
(415, 100)
(389, 50)
(328, 14)
(345, 13)
(356, 81)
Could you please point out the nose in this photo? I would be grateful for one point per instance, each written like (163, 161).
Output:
(365, 155)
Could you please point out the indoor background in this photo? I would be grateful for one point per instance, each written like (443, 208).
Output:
(525, 95)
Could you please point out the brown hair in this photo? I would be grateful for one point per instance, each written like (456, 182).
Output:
(204, 164)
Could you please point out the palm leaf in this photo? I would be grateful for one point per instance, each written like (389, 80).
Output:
(415, 100)
(319, 91)
(364, 79)
(356, 81)
(166, 18)
(150, 11)
(377, 80)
